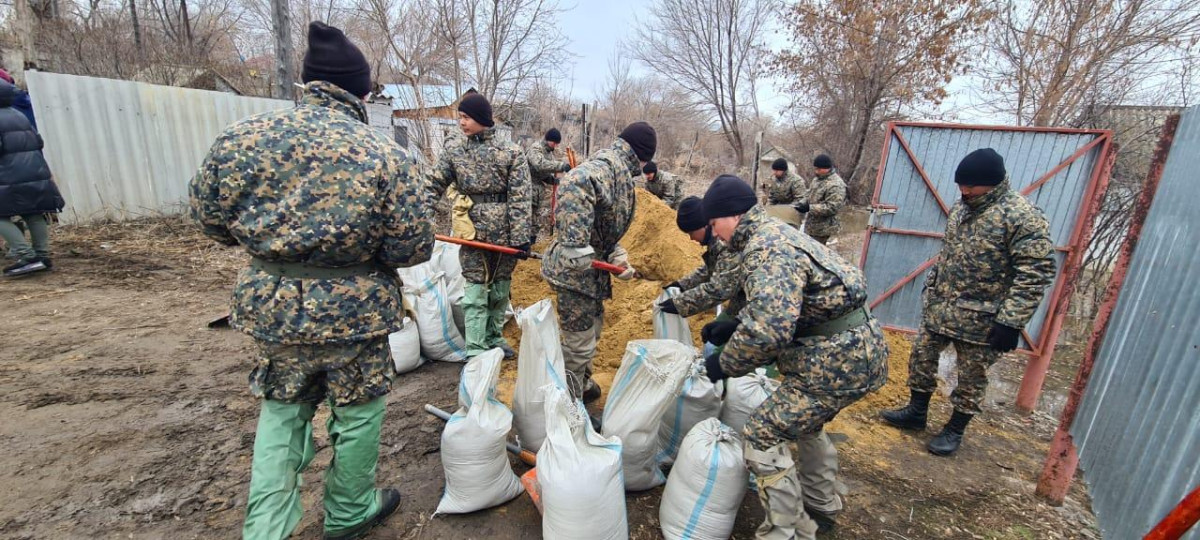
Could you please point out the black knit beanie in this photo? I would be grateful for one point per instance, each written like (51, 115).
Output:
(983, 167)
(477, 107)
(823, 161)
(332, 57)
(690, 216)
(779, 165)
(553, 136)
(642, 138)
(650, 167)
(728, 196)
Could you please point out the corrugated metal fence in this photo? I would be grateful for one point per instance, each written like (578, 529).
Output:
(122, 148)
(1138, 428)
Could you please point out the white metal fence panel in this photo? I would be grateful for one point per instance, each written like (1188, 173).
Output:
(121, 148)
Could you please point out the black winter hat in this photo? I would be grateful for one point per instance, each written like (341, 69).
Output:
(332, 57)
(728, 196)
(983, 167)
(690, 216)
(642, 138)
(779, 165)
(823, 161)
(477, 107)
(650, 167)
(554, 136)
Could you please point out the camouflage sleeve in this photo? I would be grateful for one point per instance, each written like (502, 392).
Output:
(542, 166)
(1032, 256)
(799, 191)
(722, 284)
(573, 218)
(830, 201)
(769, 318)
(407, 216)
(676, 195)
(204, 198)
(520, 199)
(440, 177)
(694, 279)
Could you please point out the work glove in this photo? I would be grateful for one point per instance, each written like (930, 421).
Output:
(674, 284)
(801, 207)
(1003, 338)
(620, 257)
(712, 367)
(628, 274)
(719, 332)
(579, 258)
(668, 306)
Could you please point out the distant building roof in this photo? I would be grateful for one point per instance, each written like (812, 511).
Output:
(434, 95)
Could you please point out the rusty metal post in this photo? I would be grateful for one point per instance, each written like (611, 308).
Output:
(1062, 460)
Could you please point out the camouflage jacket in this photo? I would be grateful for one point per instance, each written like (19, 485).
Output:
(543, 163)
(787, 190)
(996, 261)
(715, 282)
(826, 197)
(495, 175)
(667, 187)
(791, 281)
(314, 184)
(596, 202)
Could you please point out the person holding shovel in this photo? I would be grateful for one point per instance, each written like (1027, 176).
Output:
(716, 280)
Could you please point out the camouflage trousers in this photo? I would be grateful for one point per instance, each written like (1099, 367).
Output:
(581, 318)
(541, 199)
(973, 363)
(481, 266)
(345, 374)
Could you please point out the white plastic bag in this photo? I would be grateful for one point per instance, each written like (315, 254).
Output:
(440, 338)
(948, 371)
(743, 395)
(540, 363)
(406, 347)
(445, 259)
(646, 385)
(477, 471)
(698, 400)
(706, 485)
(583, 497)
(670, 325)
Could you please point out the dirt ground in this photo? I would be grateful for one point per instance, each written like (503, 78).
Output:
(127, 418)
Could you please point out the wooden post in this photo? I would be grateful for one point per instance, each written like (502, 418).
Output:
(285, 71)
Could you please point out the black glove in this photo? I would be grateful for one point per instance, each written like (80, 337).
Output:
(668, 306)
(525, 249)
(719, 332)
(1003, 338)
(712, 367)
(672, 284)
(801, 207)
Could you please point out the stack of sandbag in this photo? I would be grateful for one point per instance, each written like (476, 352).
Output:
(743, 395)
(445, 259)
(699, 399)
(405, 346)
(540, 363)
(646, 385)
(583, 497)
(477, 471)
(671, 325)
(706, 485)
(425, 290)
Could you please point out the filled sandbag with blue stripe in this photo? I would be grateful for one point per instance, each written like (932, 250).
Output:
(706, 485)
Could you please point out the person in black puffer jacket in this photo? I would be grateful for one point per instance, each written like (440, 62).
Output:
(27, 190)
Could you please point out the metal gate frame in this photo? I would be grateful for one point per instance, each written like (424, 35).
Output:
(1040, 352)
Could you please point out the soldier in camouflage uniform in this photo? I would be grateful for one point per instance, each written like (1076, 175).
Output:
(494, 174)
(826, 197)
(714, 282)
(996, 261)
(326, 208)
(545, 169)
(595, 207)
(664, 185)
(788, 187)
(806, 313)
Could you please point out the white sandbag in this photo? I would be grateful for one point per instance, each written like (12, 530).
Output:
(539, 363)
(583, 497)
(699, 399)
(411, 279)
(743, 395)
(406, 347)
(706, 485)
(646, 385)
(477, 471)
(440, 338)
(445, 259)
(670, 325)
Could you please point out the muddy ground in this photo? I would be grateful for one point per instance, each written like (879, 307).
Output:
(126, 418)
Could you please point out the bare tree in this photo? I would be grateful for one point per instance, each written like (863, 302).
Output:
(711, 49)
(281, 23)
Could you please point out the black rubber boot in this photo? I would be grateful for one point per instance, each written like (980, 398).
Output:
(592, 393)
(948, 441)
(912, 416)
(389, 501)
(826, 521)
